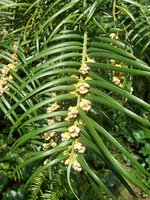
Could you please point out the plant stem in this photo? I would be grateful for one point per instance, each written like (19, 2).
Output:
(84, 48)
(84, 55)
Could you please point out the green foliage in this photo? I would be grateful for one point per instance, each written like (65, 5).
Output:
(68, 87)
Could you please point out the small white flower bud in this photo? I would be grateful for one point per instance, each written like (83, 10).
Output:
(114, 36)
(46, 161)
(58, 118)
(131, 90)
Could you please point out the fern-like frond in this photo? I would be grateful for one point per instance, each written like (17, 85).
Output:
(70, 64)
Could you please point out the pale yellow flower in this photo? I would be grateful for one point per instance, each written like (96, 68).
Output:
(3, 80)
(52, 133)
(73, 160)
(53, 144)
(80, 148)
(46, 136)
(12, 66)
(116, 80)
(14, 57)
(67, 161)
(65, 136)
(46, 161)
(46, 146)
(113, 62)
(53, 107)
(74, 131)
(51, 121)
(114, 36)
(82, 87)
(84, 69)
(5, 70)
(72, 112)
(58, 118)
(85, 104)
(81, 121)
(76, 166)
(49, 135)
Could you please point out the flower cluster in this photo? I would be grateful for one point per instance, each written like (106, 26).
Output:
(78, 147)
(14, 57)
(84, 69)
(72, 112)
(53, 107)
(3, 84)
(85, 104)
(50, 137)
(50, 121)
(114, 36)
(82, 87)
(65, 136)
(74, 131)
(119, 77)
(5, 77)
(46, 146)
(74, 163)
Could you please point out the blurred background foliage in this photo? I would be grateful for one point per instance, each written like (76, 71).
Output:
(33, 27)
